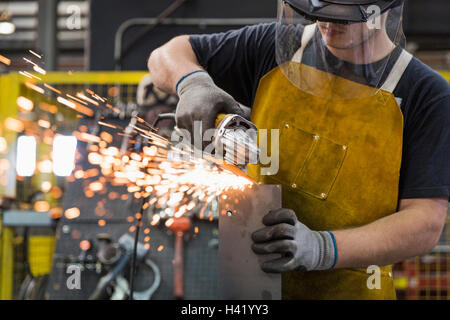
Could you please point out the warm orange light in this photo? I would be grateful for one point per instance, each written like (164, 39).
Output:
(113, 195)
(5, 60)
(45, 166)
(44, 123)
(113, 91)
(41, 206)
(25, 104)
(95, 158)
(35, 54)
(150, 151)
(72, 213)
(169, 222)
(52, 88)
(56, 192)
(48, 107)
(96, 186)
(85, 245)
(46, 186)
(106, 136)
(3, 145)
(39, 69)
(14, 124)
(55, 213)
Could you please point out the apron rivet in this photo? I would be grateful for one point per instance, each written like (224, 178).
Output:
(287, 125)
(294, 185)
(316, 137)
(344, 147)
(323, 195)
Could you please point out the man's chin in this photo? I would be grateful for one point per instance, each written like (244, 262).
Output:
(339, 44)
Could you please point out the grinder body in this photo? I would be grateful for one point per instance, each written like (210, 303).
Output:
(235, 140)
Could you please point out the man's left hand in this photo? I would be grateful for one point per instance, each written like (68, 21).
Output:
(302, 249)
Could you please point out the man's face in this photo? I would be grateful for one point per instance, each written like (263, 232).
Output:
(341, 36)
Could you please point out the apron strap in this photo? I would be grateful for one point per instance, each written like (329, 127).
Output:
(308, 33)
(397, 71)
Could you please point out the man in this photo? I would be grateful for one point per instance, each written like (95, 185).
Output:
(364, 137)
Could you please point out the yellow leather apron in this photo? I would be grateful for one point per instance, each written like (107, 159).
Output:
(339, 166)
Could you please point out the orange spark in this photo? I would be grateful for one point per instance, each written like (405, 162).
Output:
(48, 107)
(35, 54)
(44, 123)
(106, 124)
(76, 99)
(83, 97)
(52, 88)
(29, 75)
(39, 69)
(5, 60)
(95, 186)
(34, 87)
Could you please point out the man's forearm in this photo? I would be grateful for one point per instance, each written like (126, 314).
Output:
(170, 62)
(410, 232)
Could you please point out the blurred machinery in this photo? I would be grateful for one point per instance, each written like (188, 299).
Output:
(39, 196)
(426, 277)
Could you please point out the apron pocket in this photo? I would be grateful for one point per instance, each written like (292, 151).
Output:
(312, 164)
(296, 146)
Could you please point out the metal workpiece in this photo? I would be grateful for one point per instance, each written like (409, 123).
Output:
(241, 213)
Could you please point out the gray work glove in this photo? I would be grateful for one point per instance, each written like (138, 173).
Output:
(201, 100)
(302, 249)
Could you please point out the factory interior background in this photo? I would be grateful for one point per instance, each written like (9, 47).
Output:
(63, 199)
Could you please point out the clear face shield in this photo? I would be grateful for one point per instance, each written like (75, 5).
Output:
(338, 59)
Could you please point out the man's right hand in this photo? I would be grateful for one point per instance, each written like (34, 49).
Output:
(201, 100)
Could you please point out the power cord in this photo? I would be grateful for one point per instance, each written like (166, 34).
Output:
(136, 241)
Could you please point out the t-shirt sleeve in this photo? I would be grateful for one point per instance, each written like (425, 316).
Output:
(237, 59)
(425, 171)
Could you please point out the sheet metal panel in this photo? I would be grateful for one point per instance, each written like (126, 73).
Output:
(240, 275)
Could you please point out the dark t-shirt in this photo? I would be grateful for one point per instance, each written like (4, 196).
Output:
(238, 59)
